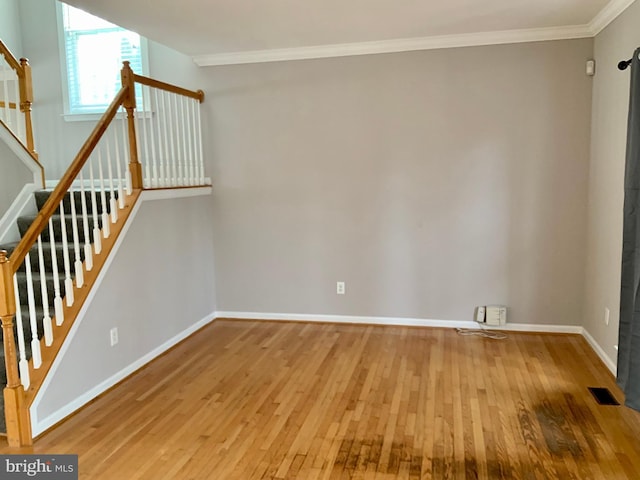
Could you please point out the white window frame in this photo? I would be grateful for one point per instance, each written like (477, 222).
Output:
(68, 114)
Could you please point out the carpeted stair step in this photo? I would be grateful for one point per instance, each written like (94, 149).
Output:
(43, 195)
(21, 278)
(46, 253)
(25, 222)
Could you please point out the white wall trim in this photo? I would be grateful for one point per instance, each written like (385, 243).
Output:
(608, 361)
(20, 206)
(39, 426)
(21, 152)
(608, 14)
(396, 321)
(168, 193)
(395, 45)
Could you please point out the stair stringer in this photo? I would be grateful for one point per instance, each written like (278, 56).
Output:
(24, 204)
(27, 158)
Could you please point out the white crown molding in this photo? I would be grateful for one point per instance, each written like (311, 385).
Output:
(395, 46)
(608, 14)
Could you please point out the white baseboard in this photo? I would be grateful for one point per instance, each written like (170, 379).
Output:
(611, 365)
(39, 426)
(397, 321)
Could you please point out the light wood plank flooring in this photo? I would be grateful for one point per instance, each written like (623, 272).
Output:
(262, 400)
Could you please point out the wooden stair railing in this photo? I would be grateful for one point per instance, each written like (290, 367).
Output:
(17, 99)
(82, 218)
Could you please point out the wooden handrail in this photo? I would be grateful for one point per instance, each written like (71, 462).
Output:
(11, 59)
(12, 105)
(53, 202)
(150, 82)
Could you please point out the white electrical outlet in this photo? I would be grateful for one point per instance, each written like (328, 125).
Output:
(114, 336)
(606, 316)
(340, 288)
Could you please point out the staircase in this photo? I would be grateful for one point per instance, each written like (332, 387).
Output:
(52, 269)
(51, 276)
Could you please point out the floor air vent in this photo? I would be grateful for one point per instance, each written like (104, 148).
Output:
(603, 396)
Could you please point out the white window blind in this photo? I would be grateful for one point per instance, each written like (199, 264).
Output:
(94, 52)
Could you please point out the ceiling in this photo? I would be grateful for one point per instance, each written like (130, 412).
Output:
(218, 32)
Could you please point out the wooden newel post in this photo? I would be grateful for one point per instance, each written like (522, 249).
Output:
(128, 82)
(15, 410)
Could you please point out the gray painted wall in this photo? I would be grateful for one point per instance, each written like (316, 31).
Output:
(429, 181)
(10, 26)
(606, 181)
(159, 284)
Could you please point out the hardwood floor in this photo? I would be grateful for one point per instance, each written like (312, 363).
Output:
(262, 400)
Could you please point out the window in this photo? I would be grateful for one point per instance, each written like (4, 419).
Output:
(93, 51)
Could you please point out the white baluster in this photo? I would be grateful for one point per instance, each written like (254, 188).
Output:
(194, 141)
(68, 282)
(106, 230)
(172, 134)
(118, 169)
(113, 206)
(19, 118)
(5, 88)
(167, 134)
(162, 134)
(77, 265)
(46, 318)
(143, 159)
(33, 321)
(154, 161)
(23, 364)
(189, 143)
(183, 141)
(176, 134)
(199, 144)
(126, 154)
(88, 252)
(97, 236)
(57, 300)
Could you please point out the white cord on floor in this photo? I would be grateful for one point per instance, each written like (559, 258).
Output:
(481, 332)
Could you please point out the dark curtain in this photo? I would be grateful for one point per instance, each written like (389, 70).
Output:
(629, 335)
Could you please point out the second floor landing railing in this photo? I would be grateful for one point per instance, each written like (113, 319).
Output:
(16, 98)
